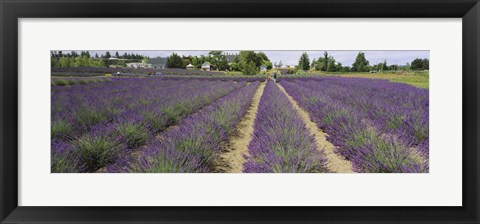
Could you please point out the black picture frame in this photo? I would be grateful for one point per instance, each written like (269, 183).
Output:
(12, 10)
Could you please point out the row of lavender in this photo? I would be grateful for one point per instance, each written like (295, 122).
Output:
(379, 126)
(280, 142)
(195, 143)
(94, 125)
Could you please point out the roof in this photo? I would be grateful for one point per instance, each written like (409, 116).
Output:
(157, 61)
(189, 65)
(206, 64)
(263, 66)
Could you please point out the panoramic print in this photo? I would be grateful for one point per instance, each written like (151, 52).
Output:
(239, 111)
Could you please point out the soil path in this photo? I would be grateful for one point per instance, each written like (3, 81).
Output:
(335, 162)
(231, 160)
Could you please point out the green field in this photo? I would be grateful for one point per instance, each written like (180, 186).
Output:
(417, 79)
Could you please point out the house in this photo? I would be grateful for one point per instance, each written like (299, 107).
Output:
(263, 68)
(190, 66)
(158, 62)
(139, 65)
(206, 66)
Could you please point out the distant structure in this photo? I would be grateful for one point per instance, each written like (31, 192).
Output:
(206, 66)
(263, 68)
(158, 62)
(190, 66)
(139, 65)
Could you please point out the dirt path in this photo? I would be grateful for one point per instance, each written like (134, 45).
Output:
(231, 161)
(335, 162)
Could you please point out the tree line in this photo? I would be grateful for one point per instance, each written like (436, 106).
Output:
(247, 62)
(74, 59)
(327, 63)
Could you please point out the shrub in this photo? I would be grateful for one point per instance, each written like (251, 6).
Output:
(134, 134)
(96, 151)
(61, 129)
(87, 117)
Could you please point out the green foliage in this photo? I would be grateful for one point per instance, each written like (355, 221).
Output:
(174, 61)
(420, 64)
(62, 163)
(300, 72)
(135, 134)
(250, 69)
(361, 64)
(59, 82)
(249, 62)
(268, 64)
(87, 117)
(218, 60)
(96, 151)
(60, 60)
(61, 129)
(321, 64)
(304, 62)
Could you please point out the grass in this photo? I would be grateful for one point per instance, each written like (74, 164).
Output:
(418, 79)
(69, 81)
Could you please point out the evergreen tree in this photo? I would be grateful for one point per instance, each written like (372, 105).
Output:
(325, 61)
(304, 62)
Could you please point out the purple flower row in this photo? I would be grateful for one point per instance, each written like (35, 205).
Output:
(281, 143)
(143, 109)
(369, 121)
(195, 143)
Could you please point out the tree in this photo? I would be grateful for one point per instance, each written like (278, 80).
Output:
(268, 64)
(312, 65)
(304, 62)
(218, 60)
(117, 55)
(249, 62)
(321, 64)
(325, 61)
(250, 69)
(262, 56)
(420, 64)
(331, 64)
(174, 61)
(107, 55)
(361, 64)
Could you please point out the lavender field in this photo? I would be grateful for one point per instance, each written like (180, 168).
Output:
(193, 125)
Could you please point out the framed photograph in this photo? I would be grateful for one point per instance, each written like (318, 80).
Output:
(239, 111)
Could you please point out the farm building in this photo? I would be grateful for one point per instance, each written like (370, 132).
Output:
(206, 66)
(158, 62)
(139, 65)
(263, 68)
(190, 66)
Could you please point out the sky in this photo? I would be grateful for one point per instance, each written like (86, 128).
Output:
(291, 57)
